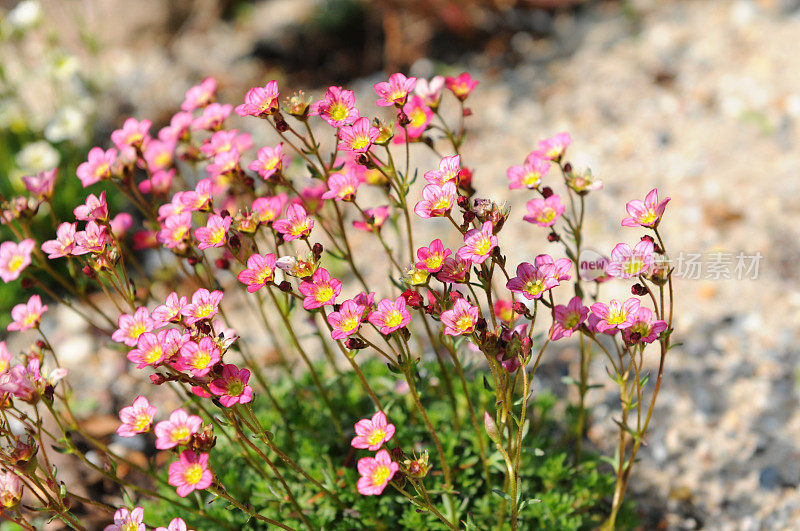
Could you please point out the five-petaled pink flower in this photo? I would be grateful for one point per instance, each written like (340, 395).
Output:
(198, 357)
(532, 280)
(125, 520)
(430, 91)
(213, 234)
(544, 212)
(97, 167)
(204, 305)
(375, 473)
(170, 311)
(338, 107)
(561, 267)
(395, 91)
(448, 170)
(149, 349)
(645, 327)
(199, 199)
(390, 315)
(436, 200)
(232, 387)
(461, 86)
(461, 319)
(553, 148)
(200, 95)
(454, 270)
(321, 290)
(175, 230)
(529, 174)
(431, 258)
(190, 473)
(372, 433)
(269, 208)
(568, 318)
(14, 258)
(28, 315)
(342, 186)
(296, 224)
(260, 101)
(419, 117)
(615, 316)
(628, 263)
(346, 321)
(646, 213)
(375, 217)
(478, 244)
(177, 430)
(42, 184)
(358, 138)
(132, 133)
(64, 242)
(269, 161)
(95, 208)
(260, 270)
(176, 524)
(136, 418)
(91, 240)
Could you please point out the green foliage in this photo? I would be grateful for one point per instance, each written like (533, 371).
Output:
(554, 493)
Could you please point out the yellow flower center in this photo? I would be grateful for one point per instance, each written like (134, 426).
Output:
(203, 310)
(546, 215)
(442, 203)
(360, 142)
(531, 179)
(376, 437)
(30, 319)
(323, 293)
(648, 218)
(616, 318)
(349, 323)
(464, 323)
(298, 228)
(15, 262)
(380, 475)
(632, 266)
(338, 111)
(130, 526)
(393, 318)
(483, 245)
(193, 473)
(417, 117)
(201, 359)
(141, 422)
(101, 170)
(180, 434)
(137, 330)
(434, 261)
(153, 355)
(534, 287)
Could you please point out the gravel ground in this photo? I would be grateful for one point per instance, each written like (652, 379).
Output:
(700, 99)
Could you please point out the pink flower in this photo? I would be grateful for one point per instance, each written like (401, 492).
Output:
(175, 230)
(646, 213)
(561, 267)
(260, 270)
(91, 240)
(222, 141)
(14, 258)
(341, 187)
(461, 319)
(213, 234)
(616, 316)
(199, 199)
(532, 281)
(190, 473)
(448, 170)
(454, 270)
(260, 101)
(430, 91)
(225, 163)
(204, 305)
(97, 167)
(41, 184)
(232, 388)
(64, 242)
(200, 95)
(395, 91)
(171, 310)
(390, 315)
(5, 357)
(269, 161)
(419, 116)
(346, 321)
(544, 212)
(432, 257)
(120, 224)
(178, 126)
(27, 316)
(199, 358)
(568, 318)
(529, 174)
(338, 107)
(321, 290)
(296, 224)
(158, 155)
(554, 148)
(436, 200)
(125, 520)
(375, 473)
(461, 86)
(149, 349)
(176, 524)
(478, 244)
(269, 208)
(358, 138)
(628, 263)
(372, 433)
(10, 490)
(95, 208)
(213, 116)
(136, 418)
(644, 327)
(177, 430)
(374, 220)
(132, 134)
(504, 310)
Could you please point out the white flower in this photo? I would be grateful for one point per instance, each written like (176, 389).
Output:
(68, 124)
(37, 156)
(26, 15)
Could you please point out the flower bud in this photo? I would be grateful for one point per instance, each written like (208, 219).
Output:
(222, 263)
(285, 286)
(547, 192)
(491, 427)
(10, 489)
(418, 467)
(27, 283)
(413, 298)
(553, 237)
(355, 343)
(638, 289)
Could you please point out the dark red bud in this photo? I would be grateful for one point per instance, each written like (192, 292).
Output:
(40, 343)
(638, 289)
(235, 242)
(547, 192)
(462, 201)
(285, 286)
(553, 237)
(193, 260)
(403, 119)
(413, 298)
(223, 263)
(88, 271)
(157, 379)
(27, 283)
(318, 250)
(567, 167)
(362, 159)
(469, 216)
(520, 308)
(648, 238)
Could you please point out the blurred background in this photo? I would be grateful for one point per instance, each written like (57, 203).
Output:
(700, 99)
